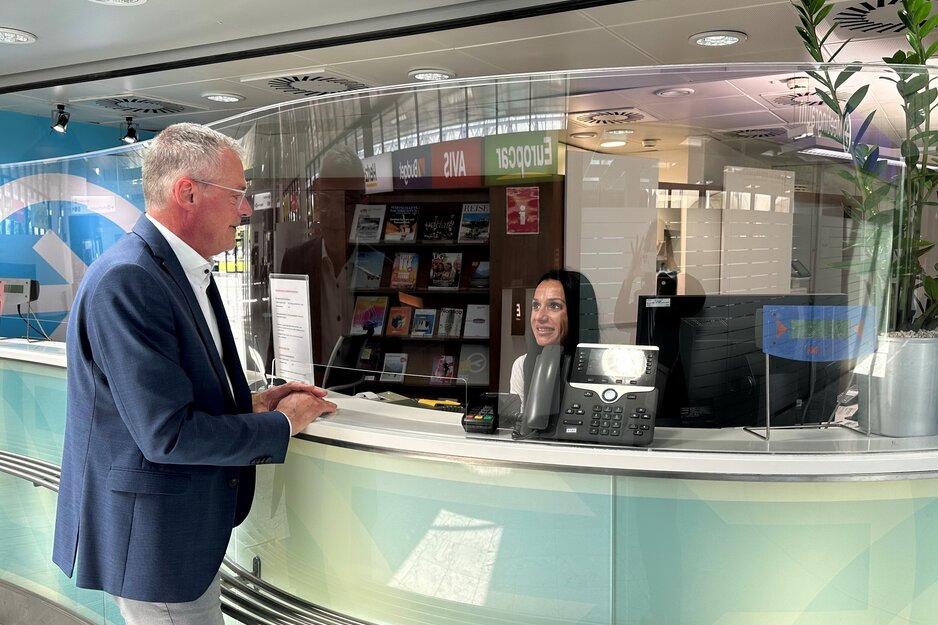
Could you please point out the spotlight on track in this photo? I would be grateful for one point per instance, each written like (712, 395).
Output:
(60, 117)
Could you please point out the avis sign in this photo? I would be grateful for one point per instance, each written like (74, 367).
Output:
(457, 164)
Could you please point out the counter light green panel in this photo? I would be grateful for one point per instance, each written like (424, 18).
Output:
(32, 424)
(399, 540)
(27, 517)
(391, 539)
(737, 553)
(32, 410)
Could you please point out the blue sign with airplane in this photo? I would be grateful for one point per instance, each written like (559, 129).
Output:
(818, 333)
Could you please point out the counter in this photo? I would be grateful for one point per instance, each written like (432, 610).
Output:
(386, 514)
(825, 454)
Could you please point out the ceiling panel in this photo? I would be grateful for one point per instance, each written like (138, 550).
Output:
(770, 28)
(651, 10)
(573, 21)
(559, 52)
(633, 33)
(173, 24)
(692, 107)
(744, 120)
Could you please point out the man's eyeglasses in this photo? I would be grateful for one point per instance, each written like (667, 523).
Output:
(240, 192)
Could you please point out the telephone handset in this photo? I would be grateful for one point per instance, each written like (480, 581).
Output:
(602, 394)
(543, 397)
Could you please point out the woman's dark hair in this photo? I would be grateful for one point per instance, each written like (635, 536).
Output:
(582, 316)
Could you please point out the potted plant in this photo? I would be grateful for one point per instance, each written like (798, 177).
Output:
(899, 386)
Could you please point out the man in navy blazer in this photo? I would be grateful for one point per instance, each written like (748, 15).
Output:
(162, 432)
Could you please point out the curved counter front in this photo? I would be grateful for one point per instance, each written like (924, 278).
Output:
(395, 515)
(392, 515)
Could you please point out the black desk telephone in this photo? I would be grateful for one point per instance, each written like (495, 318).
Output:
(603, 394)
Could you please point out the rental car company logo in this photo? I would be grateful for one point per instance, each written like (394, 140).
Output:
(411, 169)
(522, 156)
(371, 173)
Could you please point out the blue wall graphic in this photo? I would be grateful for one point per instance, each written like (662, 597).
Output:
(56, 217)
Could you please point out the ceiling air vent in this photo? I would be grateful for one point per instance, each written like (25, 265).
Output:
(613, 117)
(140, 106)
(793, 98)
(306, 85)
(758, 133)
(873, 16)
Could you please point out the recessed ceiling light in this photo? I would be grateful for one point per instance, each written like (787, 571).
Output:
(677, 92)
(14, 35)
(119, 3)
(430, 74)
(582, 135)
(620, 131)
(798, 83)
(227, 98)
(612, 144)
(717, 38)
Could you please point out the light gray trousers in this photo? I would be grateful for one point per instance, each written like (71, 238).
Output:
(206, 610)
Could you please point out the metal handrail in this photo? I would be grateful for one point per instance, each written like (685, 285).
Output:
(244, 596)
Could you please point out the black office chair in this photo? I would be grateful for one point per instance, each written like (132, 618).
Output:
(341, 373)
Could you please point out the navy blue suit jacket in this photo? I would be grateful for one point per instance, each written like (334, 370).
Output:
(158, 460)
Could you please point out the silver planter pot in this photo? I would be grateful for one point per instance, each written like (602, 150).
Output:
(899, 394)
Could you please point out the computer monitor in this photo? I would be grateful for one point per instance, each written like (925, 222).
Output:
(711, 368)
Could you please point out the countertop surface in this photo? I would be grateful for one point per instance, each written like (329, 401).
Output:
(809, 454)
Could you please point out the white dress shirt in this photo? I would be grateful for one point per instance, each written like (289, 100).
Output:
(199, 272)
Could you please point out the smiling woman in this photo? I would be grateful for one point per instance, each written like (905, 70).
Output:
(563, 312)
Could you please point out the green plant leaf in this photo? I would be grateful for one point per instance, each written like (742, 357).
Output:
(856, 99)
(822, 14)
(816, 76)
(847, 175)
(869, 164)
(864, 126)
(910, 152)
(829, 101)
(928, 26)
(911, 59)
(930, 52)
(898, 58)
(845, 75)
(879, 194)
(883, 219)
(913, 85)
(838, 50)
(928, 135)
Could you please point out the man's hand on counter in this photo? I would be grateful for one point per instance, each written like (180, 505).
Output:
(302, 409)
(301, 403)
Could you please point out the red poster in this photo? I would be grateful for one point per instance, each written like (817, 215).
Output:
(523, 210)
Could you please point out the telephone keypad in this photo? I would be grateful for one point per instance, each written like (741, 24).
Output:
(629, 420)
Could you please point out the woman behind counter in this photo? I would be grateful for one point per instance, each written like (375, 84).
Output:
(563, 312)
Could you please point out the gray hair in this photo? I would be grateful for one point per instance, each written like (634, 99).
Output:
(182, 150)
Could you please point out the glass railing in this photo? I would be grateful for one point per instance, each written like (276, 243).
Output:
(688, 200)
(739, 225)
